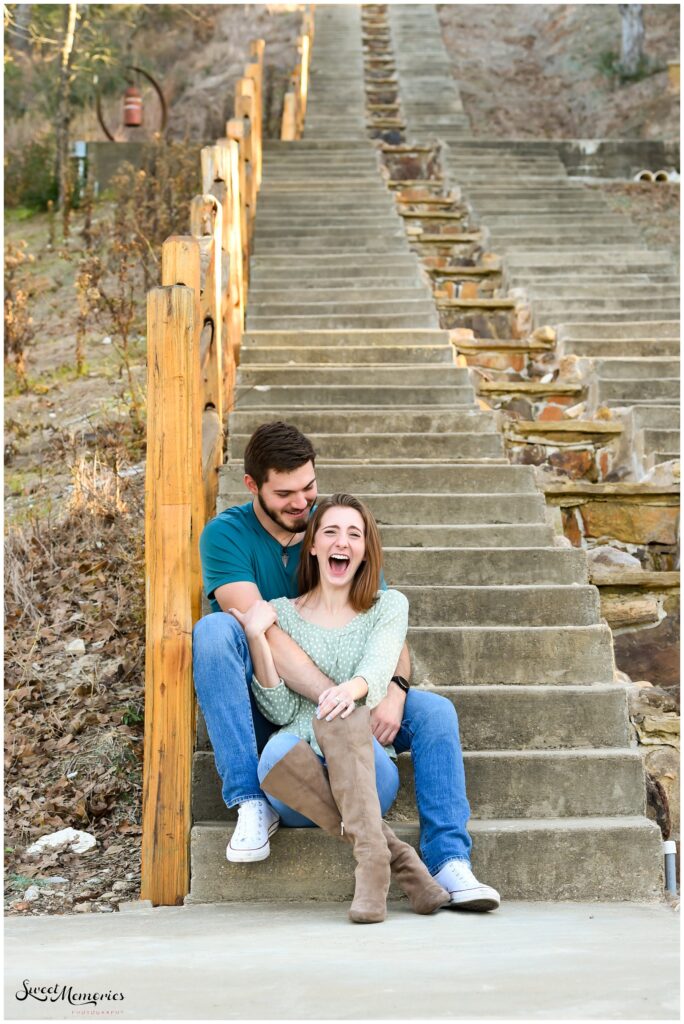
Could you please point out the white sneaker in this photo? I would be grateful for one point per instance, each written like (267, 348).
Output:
(464, 889)
(257, 822)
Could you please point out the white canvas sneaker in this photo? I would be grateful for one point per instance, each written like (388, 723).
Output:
(464, 889)
(257, 822)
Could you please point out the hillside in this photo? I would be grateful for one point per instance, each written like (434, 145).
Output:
(539, 70)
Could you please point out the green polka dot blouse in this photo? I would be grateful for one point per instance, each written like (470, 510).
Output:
(368, 646)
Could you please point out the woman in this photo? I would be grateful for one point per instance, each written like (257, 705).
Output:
(322, 766)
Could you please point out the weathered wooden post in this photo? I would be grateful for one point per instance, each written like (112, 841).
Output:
(255, 71)
(237, 130)
(220, 178)
(206, 219)
(172, 474)
(288, 127)
(305, 50)
(244, 109)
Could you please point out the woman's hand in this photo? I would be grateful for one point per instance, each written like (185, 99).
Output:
(260, 617)
(339, 700)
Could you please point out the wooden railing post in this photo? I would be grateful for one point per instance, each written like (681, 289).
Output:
(173, 454)
(304, 49)
(288, 127)
(255, 71)
(237, 130)
(244, 109)
(206, 225)
(295, 101)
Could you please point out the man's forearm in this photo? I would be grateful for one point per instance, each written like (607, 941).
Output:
(404, 664)
(295, 666)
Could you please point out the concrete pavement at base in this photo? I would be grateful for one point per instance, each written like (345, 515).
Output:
(537, 961)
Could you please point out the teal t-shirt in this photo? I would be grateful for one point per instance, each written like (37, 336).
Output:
(235, 548)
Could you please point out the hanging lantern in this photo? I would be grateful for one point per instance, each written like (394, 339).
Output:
(133, 107)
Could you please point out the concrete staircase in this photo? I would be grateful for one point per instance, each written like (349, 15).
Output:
(343, 341)
(580, 263)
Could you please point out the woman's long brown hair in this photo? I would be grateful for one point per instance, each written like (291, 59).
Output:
(366, 582)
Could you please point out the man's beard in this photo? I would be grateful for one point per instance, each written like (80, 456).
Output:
(275, 517)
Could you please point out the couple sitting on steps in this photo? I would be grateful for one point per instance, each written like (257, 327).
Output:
(315, 643)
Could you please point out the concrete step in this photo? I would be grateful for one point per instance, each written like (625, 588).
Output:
(392, 479)
(358, 355)
(626, 391)
(408, 420)
(348, 306)
(360, 243)
(636, 368)
(613, 348)
(336, 263)
(578, 857)
(375, 375)
(603, 290)
(512, 654)
(330, 395)
(501, 604)
(284, 149)
(357, 230)
(539, 783)
(626, 257)
(344, 322)
(663, 417)
(604, 308)
(639, 329)
(569, 316)
(540, 717)
(665, 442)
(343, 339)
(352, 279)
(288, 220)
(412, 509)
(524, 718)
(527, 223)
(484, 566)
(486, 536)
(398, 446)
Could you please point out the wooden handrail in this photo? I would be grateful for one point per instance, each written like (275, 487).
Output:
(195, 322)
(171, 536)
(294, 103)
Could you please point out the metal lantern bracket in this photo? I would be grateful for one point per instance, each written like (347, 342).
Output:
(155, 86)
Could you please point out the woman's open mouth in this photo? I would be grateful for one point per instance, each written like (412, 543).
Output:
(338, 564)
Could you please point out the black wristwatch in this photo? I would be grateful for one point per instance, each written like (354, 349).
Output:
(402, 683)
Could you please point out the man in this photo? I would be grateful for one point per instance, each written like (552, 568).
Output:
(251, 552)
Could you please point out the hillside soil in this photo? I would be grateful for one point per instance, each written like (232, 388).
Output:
(542, 70)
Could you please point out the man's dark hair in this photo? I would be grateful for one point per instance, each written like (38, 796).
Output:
(278, 446)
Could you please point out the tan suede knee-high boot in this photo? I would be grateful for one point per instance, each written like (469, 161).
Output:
(300, 781)
(348, 750)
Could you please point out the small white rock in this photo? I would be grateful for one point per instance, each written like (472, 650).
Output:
(56, 880)
(32, 893)
(79, 841)
(120, 886)
(75, 647)
(106, 340)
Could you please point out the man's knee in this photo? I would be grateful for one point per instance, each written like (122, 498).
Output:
(432, 710)
(216, 628)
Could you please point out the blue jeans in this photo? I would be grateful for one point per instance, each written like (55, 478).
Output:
(386, 777)
(239, 732)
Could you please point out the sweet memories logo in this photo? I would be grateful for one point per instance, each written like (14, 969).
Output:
(65, 993)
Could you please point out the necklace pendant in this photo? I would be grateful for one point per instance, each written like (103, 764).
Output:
(285, 558)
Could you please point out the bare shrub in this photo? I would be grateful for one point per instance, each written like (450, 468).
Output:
(96, 488)
(19, 328)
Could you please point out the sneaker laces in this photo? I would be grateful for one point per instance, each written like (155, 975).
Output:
(246, 821)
